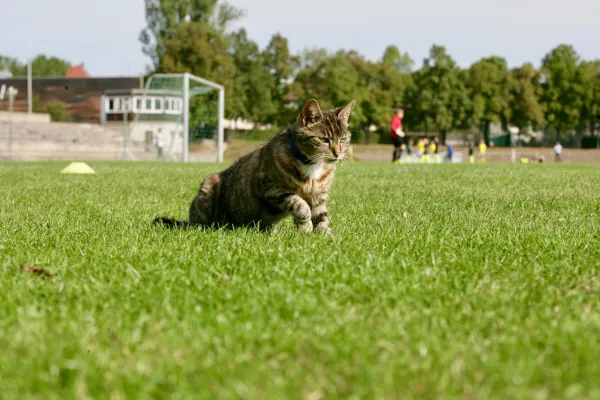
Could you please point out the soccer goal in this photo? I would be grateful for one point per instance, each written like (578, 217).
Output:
(170, 113)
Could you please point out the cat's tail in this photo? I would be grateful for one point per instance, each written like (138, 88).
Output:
(171, 222)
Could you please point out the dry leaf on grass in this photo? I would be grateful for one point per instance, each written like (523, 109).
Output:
(36, 270)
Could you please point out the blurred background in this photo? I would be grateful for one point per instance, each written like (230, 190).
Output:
(77, 77)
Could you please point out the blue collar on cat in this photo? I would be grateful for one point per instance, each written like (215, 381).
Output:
(298, 154)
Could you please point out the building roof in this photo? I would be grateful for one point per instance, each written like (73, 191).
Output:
(77, 71)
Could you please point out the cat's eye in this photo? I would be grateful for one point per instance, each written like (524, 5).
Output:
(324, 140)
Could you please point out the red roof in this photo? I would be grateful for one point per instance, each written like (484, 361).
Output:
(77, 72)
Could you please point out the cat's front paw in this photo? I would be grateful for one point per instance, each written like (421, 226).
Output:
(305, 226)
(325, 229)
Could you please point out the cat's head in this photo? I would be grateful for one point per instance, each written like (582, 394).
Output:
(323, 135)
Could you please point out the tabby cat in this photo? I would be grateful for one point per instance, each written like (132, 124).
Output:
(290, 175)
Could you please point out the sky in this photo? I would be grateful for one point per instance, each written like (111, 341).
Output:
(104, 34)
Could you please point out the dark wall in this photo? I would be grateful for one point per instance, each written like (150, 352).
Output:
(81, 95)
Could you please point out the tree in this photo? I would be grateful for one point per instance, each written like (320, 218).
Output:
(525, 92)
(201, 50)
(440, 102)
(589, 72)
(562, 89)
(48, 66)
(399, 61)
(10, 64)
(386, 85)
(489, 88)
(281, 65)
(40, 66)
(335, 79)
(309, 80)
(164, 17)
(252, 92)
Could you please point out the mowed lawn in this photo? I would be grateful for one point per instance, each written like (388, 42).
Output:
(443, 282)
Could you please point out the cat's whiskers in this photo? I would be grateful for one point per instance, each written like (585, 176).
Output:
(316, 158)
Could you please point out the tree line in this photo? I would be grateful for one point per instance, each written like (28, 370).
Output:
(268, 85)
(41, 65)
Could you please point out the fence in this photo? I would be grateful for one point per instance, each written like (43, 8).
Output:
(33, 137)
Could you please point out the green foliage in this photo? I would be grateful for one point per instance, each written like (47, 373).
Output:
(259, 135)
(524, 102)
(489, 91)
(48, 66)
(281, 66)
(440, 100)
(189, 36)
(563, 88)
(59, 112)
(590, 77)
(399, 61)
(40, 66)
(202, 50)
(36, 104)
(253, 88)
(10, 64)
(488, 86)
(164, 17)
(335, 79)
(270, 85)
(389, 82)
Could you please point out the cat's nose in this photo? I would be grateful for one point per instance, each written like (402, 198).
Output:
(336, 150)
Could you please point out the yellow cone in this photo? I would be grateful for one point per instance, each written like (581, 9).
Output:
(77, 168)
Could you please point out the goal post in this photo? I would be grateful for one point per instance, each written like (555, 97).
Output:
(186, 114)
(168, 102)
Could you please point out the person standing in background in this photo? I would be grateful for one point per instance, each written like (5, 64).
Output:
(160, 144)
(435, 149)
(425, 157)
(450, 149)
(471, 152)
(482, 150)
(557, 151)
(396, 133)
(402, 153)
(421, 149)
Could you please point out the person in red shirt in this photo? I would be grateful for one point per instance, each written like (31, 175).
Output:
(396, 133)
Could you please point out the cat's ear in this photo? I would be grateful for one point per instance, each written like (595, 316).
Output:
(344, 112)
(311, 112)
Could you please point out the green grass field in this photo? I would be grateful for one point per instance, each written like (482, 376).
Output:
(444, 281)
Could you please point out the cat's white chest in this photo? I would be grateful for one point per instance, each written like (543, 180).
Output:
(313, 171)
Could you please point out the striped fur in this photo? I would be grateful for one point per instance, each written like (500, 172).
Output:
(271, 183)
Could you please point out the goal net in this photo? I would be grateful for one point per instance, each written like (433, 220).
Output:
(176, 117)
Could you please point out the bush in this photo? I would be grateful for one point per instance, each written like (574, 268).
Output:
(364, 136)
(384, 138)
(58, 111)
(253, 135)
(589, 142)
(203, 131)
(358, 137)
